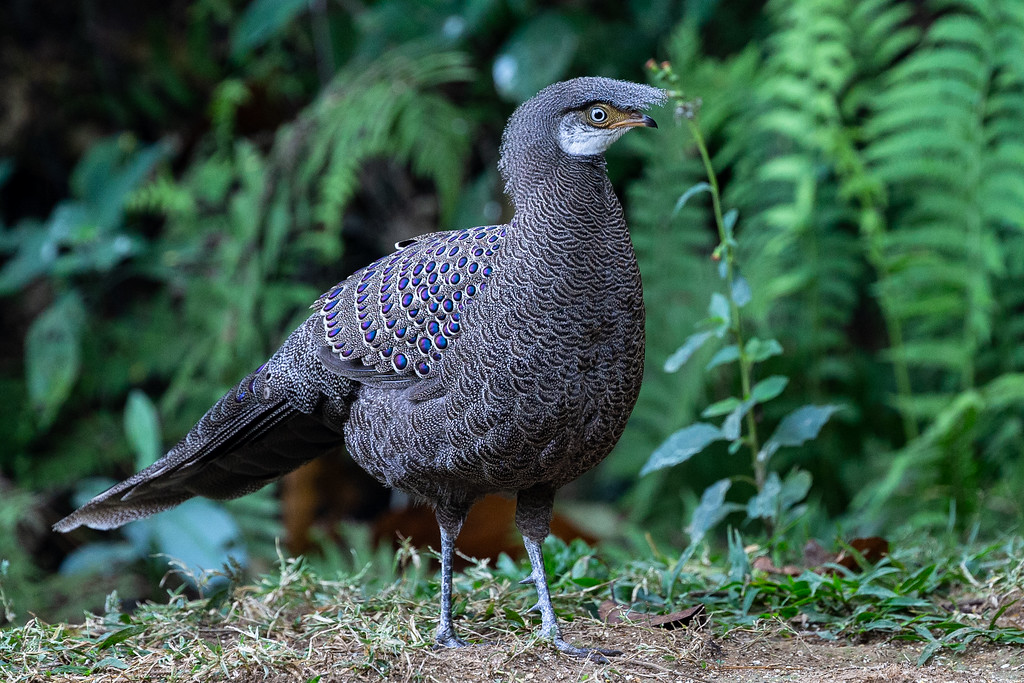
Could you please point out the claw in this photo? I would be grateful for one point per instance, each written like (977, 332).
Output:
(528, 580)
(597, 655)
(535, 608)
(449, 639)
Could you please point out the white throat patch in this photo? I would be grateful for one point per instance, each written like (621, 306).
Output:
(576, 138)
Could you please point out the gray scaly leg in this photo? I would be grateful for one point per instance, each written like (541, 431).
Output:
(533, 517)
(449, 520)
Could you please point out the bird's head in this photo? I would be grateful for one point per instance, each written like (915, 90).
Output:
(580, 118)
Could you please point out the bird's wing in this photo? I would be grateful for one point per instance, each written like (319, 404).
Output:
(392, 322)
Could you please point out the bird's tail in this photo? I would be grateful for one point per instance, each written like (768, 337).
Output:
(244, 442)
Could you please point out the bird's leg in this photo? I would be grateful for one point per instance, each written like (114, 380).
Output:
(449, 520)
(533, 517)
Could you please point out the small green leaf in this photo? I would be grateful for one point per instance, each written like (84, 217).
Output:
(765, 504)
(684, 352)
(719, 308)
(731, 425)
(682, 446)
(119, 636)
(711, 510)
(723, 407)
(142, 426)
(685, 197)
(768, 388)
(794, 489)
(729, 221)
(514, 617)
(799, 426)
(758, 350)
(741, 291)
(802, 424)
(726, 354)
(53, 355)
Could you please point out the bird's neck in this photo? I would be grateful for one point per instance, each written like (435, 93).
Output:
(569, 200)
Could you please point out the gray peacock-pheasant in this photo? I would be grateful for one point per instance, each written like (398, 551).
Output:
(504, 358)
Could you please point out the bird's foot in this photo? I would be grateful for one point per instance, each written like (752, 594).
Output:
(447, 638)
(598, 655)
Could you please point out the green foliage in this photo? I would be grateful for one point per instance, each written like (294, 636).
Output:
(878, 173)
(773, 499)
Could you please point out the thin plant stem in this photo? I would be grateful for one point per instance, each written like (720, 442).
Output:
(726, 251)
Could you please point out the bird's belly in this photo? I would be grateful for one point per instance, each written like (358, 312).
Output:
(514, 417)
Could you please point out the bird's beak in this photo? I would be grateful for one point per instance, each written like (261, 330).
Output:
(634, 121)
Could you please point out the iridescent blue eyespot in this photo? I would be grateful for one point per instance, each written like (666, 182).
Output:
(334, 294)
(432, 307)
(423, 293)
(384, 297)
(464, 235)
(330, 304)
(478, 252)
(403, 283)
(432, 279)
(430, 266)
(386, 308)
(407, 300)
(400, 361)
(361, 288)
(422, 368)
(366, 324)
(346, 352)
(454, 278)
(416, 281)
(473, 267)
(441, 342)
(329, 317)
(413, 312)
(434, 289)
(487, 271)
(455, 316)
(453, 251)
(240, 397)
(423, 344)
(418, 269)
(339, 345)
(452, 327)
(457, 296)
(400, 332)
(448, 306)
(481, 235)
(369, 336)
(362, 297)
(445, 267)
(334, 333)
(368, 274)
(386, 353)
(462, 261)
(439, 251)
(471, 290)
(492, 238)
(433, 327)
(390, 323)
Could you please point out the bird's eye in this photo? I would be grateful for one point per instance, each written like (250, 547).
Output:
(597, 115)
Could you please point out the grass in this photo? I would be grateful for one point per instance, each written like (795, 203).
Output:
(301, 620)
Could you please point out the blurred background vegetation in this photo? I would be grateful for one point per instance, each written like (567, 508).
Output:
(179, 180)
